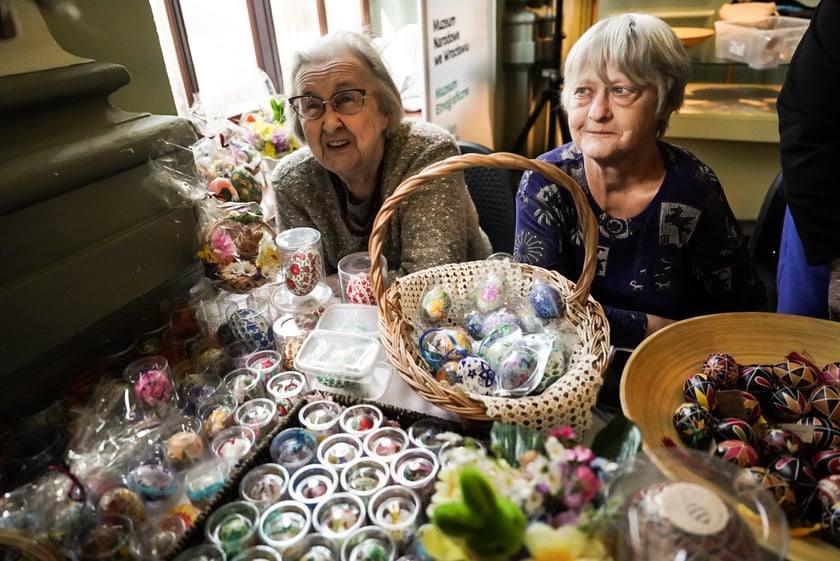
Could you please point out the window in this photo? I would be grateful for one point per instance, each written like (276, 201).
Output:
(214, 47)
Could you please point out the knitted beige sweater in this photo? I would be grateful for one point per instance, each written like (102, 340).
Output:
(436, 224)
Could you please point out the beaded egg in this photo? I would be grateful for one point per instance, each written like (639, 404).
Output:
(826, 432)
(737, 452)
(546, 301)
(796, 374)
(475, 374)
(732, 428)
(757, 379)
(825, 402)
(694, 424)
(789, 403)
(830, 374)
(722, 369)
(698, 388)
(776, 442)
(799, 473)
(826, 462)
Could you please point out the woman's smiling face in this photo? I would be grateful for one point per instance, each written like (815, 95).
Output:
(351, 146)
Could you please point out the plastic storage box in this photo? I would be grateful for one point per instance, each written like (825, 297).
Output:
(760, 43)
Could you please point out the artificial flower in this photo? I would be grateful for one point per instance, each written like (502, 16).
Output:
(566, 543)
(233, 271)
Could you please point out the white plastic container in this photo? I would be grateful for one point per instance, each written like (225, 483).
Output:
(346, 356)
(760, 43)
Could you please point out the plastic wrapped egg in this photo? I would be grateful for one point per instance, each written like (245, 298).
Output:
(757, 379)
(447, 372)
(490, 293)
(303, 271)
(700, 389)
(789, 403)
(825, 402)
(222, 189)
(498, 319)
(439, 345)
(246, 185)
(475, 374)
(799, 473)
(517, 372)
(722, 369)
(732, 428)
(435, 304)
(796, 374)
(546, 301)
(694, 424)
(776, 442)
(474, 323)
(359, 289)
(737, 452)
(826, 462)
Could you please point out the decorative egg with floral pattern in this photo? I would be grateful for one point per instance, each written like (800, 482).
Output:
(490, 293)
(304, 269)
(475, 375)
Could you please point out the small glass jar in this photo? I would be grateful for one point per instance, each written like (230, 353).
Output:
(397, 510)
(320, 418)
(196, 388)
(233, 527)
(290, 332)
(108, 539)
(386, 442)
(265, 364)
(264, 485)
(360, 419)
(216, 413)
(259, 415)
(416, 468)
(244, 384)
(293, 448)
(258, 553)
(202, 481)
(369, 542)
(313, 484)
(152, 381)
(184, 441)
(202, 552)
(338, 516)
(337, 450)
(461, 449)
(233, 443)
(424, 433)
(365, 476)
(316, 547)
(284, 526)
(151, 474)
(285, 389)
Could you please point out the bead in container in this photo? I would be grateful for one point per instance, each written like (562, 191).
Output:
(338, 516)
(264, 485)
(338, 450)
(233, 526)
(284, 527)
(365, 476)
(293, 448)
(360, 419)
(313, 484)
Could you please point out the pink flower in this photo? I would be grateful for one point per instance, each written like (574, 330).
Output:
(490, 293)
(563, 433)
(580, 454)
(222, 245)
(581, 488)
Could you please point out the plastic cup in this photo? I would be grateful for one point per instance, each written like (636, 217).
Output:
(354, 278)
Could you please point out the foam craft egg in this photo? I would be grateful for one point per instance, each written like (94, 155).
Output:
(737, 452)
(546, 301)
(700, 389)
(246, 185)
(825, 402)
(475, 374)
(694, 424)
(490, 293)
(222, 189)
(722, 369)
(303, 272)
(757, 379)
(359, 289)
(435, 304)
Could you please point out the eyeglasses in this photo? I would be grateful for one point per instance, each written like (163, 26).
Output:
(346, 102)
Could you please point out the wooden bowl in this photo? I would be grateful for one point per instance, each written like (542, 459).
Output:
(692, 36)
(652, 382)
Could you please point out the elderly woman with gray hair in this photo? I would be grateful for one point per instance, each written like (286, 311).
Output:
(669, 245)
(359, 148)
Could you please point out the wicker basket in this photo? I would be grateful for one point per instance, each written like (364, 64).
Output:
(569, 400)
(653, 378)
(28, 546)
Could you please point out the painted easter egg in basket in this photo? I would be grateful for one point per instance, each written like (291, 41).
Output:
(789, 403)
(694, 424)
(303, 270)
(246, 185)
(825, 402)
(475, 375)
(826, 433)
(732, 428)
(798, 472)
(758, 379)
(700, 389)
(490, 292)
(777, 442)
(797, 374)
(737, 452)
(722, 369)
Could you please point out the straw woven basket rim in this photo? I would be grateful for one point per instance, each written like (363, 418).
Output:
(652, 381)
(31, 546)
(586, 314)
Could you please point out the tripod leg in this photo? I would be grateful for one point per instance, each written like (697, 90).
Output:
(519, 143)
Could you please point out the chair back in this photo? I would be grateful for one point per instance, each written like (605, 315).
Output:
(492, 191)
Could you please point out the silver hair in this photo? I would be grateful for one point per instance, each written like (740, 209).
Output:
(340, 44)
(644, 48)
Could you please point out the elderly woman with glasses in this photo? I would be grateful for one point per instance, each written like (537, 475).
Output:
(359, 148)
(669, 245)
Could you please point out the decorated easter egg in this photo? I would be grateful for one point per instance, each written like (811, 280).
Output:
(788, 403)
(153, 387)
(776, 442)
(830, 374)
(798, 472)
(546, 301)
(757, 379)
(826, 432)
(439, 345)
(246, 185)
(826, 462)
(752, 407)
(474, 322)
(490, 293)
(700, 389)
(435, 304)
(496, 349)
(122, 500)
(779, 488)
(830, 520)
(499, 319)
(825, 402)
(694, 424)
(359, 289)
(447, 372)
(796, 374)
(303, 270)
(475, 375)
(251, 326)
(828, 490)
(737, 452)
(722, 369)
(517, 372)
(732, 428)
(223, 190)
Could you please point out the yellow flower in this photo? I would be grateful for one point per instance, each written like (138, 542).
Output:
(566, 543)
(439, 545)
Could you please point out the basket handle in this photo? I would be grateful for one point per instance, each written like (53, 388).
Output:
(506, 160)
